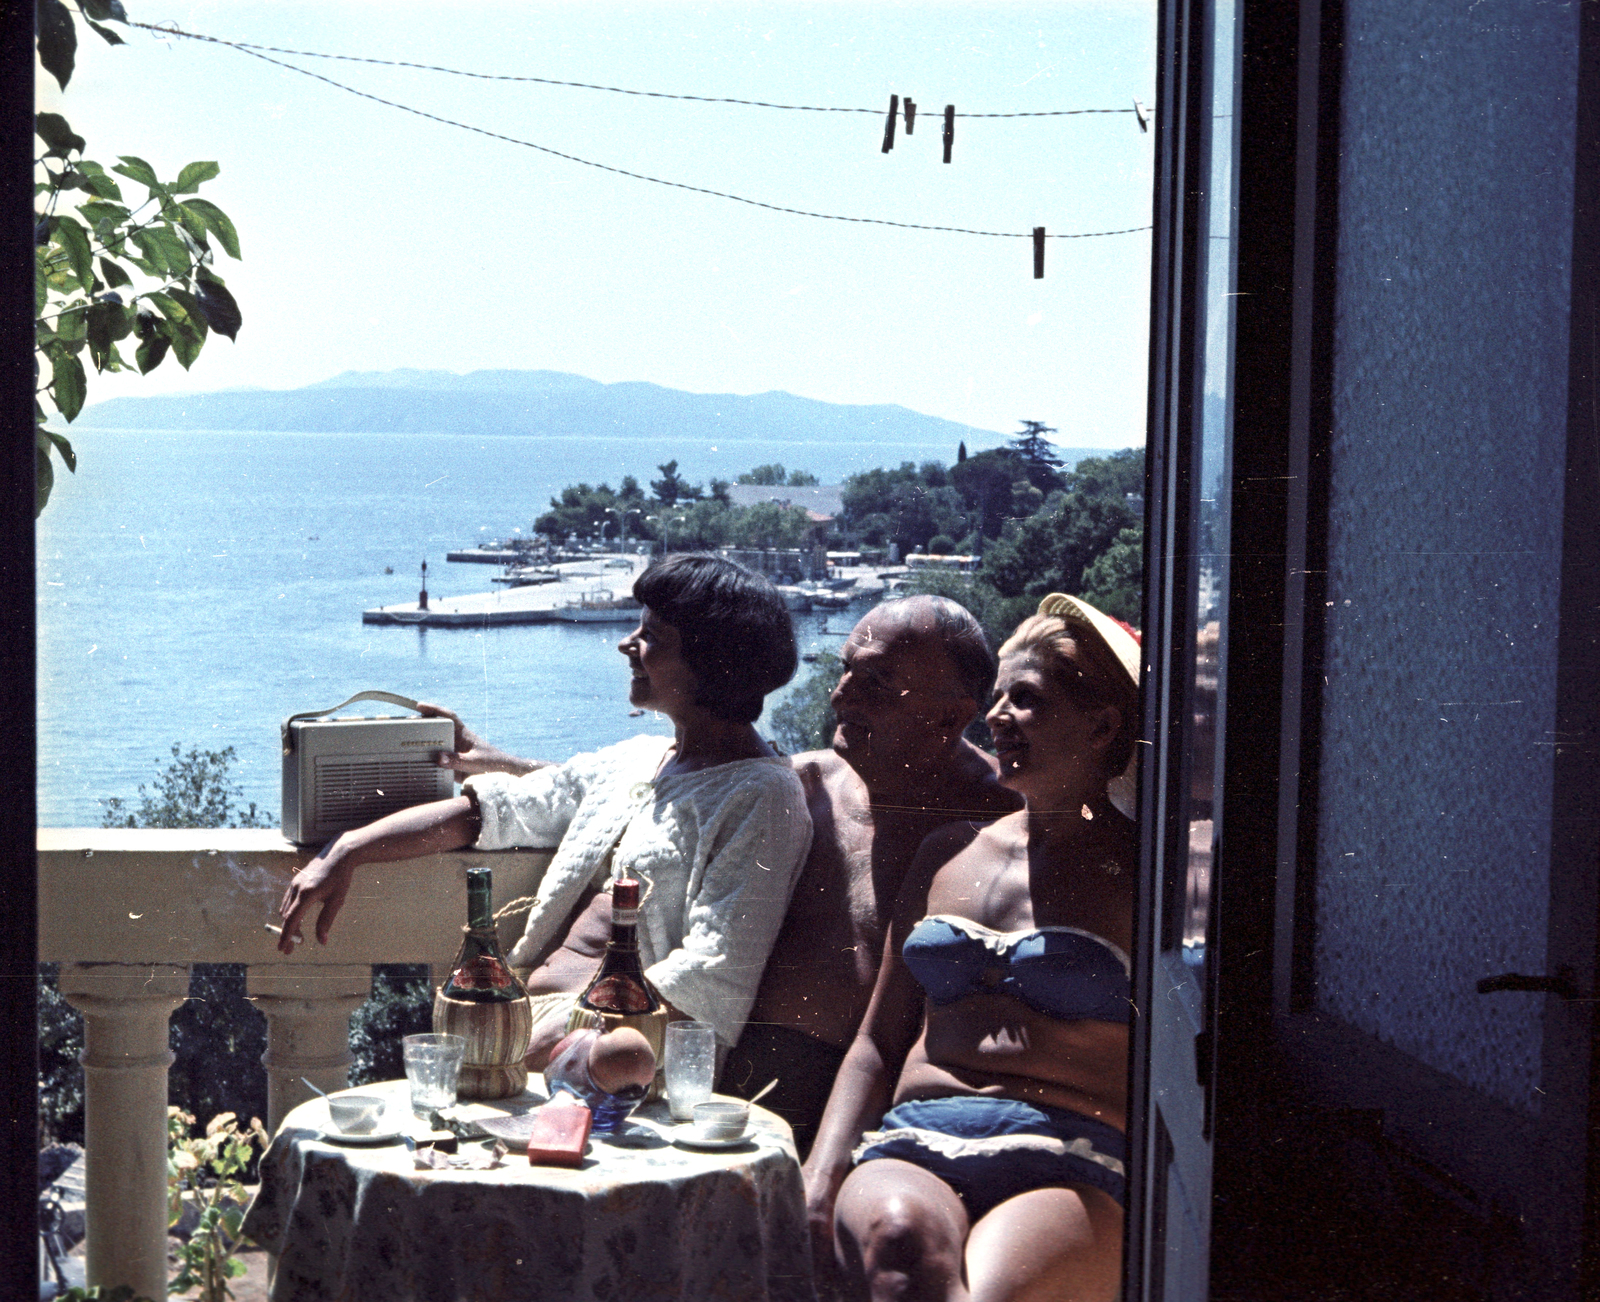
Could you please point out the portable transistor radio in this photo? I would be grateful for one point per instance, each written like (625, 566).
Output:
(343, 773)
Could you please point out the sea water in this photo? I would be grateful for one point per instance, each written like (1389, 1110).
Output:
(198, 588)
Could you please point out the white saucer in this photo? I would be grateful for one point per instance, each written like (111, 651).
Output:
(692, 1140)
(370, 1140)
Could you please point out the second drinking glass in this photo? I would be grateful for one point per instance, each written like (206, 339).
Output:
(691, 1063)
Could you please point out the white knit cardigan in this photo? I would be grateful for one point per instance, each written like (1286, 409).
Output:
(718, 849)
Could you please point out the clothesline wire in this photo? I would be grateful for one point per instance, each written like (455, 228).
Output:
(586, 85)
(656, 180)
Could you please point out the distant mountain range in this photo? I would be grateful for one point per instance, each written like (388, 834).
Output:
(533, 402)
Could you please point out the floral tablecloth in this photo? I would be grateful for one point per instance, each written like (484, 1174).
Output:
(634, 1224)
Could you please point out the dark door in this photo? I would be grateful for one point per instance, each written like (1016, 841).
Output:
(1371, 795)
(1439, 999)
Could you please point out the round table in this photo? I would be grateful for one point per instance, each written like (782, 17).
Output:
(636, 1223)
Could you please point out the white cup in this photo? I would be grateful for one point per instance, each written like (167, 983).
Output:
(355, 1114)
(691, 1062)
(721, 1122)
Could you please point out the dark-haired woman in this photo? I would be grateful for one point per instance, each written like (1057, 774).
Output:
(972, 1146)
(712, 818)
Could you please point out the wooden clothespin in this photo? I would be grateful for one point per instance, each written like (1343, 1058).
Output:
(1143, 114)
(1038, 252)
(888, 126)
(911, 114)
(949, 129)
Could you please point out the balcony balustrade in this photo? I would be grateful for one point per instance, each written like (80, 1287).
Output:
(126, 912)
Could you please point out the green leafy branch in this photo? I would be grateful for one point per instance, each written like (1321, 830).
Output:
(195, 790)
(210, 1170)
(86, 298)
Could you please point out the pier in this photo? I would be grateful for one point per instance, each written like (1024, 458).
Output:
(583, 593)
(594, 590)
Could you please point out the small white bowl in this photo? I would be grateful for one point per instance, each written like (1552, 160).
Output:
(355, 1114)
(719, 1122)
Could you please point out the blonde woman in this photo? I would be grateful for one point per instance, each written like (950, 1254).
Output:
(972, 1146)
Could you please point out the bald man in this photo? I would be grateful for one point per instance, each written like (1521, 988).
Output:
(916, 671)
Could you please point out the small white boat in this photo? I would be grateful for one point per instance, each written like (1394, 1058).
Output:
(526, 576)
(600, 606)
(594, 615)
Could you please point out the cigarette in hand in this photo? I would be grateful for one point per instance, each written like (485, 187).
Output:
(278, 931)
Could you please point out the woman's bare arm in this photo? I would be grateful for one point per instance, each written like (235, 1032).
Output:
(408, 834)
(472, 754)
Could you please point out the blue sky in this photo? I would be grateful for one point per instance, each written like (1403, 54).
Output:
(374, 239)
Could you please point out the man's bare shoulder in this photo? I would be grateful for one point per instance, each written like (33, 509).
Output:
(822, 773)
(811, 764)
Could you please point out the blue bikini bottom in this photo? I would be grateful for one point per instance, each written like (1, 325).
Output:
(990, 1149)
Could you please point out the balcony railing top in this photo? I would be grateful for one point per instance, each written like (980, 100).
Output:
(148, 895)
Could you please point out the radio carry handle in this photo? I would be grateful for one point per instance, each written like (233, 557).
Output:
(392, 698)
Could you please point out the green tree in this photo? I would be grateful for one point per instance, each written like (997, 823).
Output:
(1119, 475)
(1114, 581)
(994, 486)
(195, 790)
(699, 526)
(401, 1005)
(907, 505)
(60, 1073)
(1032, 446)
(766, 524)
(86, 297)
(1050, 550)
(581, 509)
(804, 721)
(673, 488)
(774, 474)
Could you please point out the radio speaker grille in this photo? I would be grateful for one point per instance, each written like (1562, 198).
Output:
(353, 791)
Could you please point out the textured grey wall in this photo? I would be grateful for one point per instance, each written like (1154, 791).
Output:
(1448, 445)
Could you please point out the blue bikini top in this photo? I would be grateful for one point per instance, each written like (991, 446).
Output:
(1061, 972)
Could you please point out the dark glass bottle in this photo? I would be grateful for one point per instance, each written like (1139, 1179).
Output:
(481, 974)
(619, 987)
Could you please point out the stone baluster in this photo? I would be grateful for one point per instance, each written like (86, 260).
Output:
(308, 1028)
(125, 1059)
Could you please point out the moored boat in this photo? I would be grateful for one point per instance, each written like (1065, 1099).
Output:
(525, 576)
(600, 606)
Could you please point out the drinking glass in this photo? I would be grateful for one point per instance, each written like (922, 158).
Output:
(691, 1061)
(433, 1064)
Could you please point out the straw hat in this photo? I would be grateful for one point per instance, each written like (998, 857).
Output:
(1110, 642)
